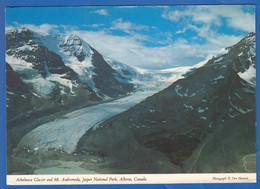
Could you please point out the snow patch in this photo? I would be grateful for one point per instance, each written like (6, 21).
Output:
(233, 115)
(238, 96)
(204, 118)
(200, 110)
(252, 50)
(193, 94)
(240, 109)
(187, 106)
(249, 75)
(247, 90)
(200, 64)
(218, 78)
(41, 86)
(219, 59)
(65, 82)
(22, 67)
(27, 48)
(10, 93)
(36, 95)
(177, 88)
(223, 51)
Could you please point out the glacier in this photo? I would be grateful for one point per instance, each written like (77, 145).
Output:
(65, 132)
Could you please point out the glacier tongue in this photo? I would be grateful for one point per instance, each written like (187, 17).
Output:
(64, 134)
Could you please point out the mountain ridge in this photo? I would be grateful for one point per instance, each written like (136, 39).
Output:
(57, 67)
(178, 120)
(197, 108)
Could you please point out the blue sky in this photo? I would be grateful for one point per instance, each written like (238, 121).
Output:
(152, 37)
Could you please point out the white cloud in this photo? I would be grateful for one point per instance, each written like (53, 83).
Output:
(126, 26)
(131, 29)
(213, 14)
(132, 52)
(97, 25)
(181, 31)
(175, 15)
(247, 23)
(43, 29)
(9, 28)
(103, 12)
(213, 37)
(130, 49)
(205, 21)
(236, 17)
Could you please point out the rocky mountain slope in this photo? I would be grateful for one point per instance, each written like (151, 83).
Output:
(47, 76)
(55, 72)
(50, 77)
(204, 122)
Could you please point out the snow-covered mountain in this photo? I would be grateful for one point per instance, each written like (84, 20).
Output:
(65, 55)
(204, 122)
(63, 71)
(59, 70)
(191, 125)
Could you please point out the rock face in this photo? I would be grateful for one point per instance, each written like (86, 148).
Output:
(47, 75)
(105, 76)
(56, 72)
(204, 122)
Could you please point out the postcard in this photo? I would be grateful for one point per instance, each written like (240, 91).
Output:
(140, 94)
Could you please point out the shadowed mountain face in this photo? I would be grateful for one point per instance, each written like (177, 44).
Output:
(55, 72)
(202, 123)
(105, 79)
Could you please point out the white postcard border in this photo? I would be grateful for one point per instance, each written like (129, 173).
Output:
(130, 179)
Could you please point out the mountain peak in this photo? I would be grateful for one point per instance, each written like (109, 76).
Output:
(250, 37)
(251, 34)
(70, 39)
(22, 30)
(74, 36)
